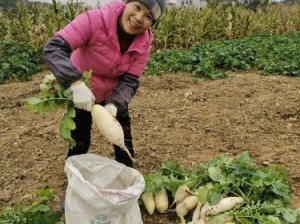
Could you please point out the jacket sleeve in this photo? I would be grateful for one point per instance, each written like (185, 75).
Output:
(124, 92)
(57, 54)
(139, 63)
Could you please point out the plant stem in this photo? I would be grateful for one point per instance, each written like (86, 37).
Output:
(58, 98)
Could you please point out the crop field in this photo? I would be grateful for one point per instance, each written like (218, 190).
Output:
(182, 121)
(220, 115)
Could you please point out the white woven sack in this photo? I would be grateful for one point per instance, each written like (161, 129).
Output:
(102, 191)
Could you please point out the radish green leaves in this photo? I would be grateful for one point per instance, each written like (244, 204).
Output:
(53, 96)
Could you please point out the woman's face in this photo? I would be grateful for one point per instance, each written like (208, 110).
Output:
(136, 18)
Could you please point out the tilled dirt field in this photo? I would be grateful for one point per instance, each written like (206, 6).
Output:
(173, 117)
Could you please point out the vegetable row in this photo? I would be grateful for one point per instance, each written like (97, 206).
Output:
(222, 191)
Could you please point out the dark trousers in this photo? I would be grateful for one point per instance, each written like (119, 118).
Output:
(82, 136)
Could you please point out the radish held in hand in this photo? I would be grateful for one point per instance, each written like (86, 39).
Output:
(224, 205)
(109, 126)
(161, 200)
(148, 200)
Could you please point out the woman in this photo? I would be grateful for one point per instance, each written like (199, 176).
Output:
(114, 42)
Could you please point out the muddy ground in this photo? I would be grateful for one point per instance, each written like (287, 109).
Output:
(173, 117)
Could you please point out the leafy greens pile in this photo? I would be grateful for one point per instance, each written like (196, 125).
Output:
(18, 61)
(266, 190)
(35, 213)
(53, 96)
(268, 54)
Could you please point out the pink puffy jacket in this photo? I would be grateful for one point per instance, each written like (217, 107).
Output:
(93, 39)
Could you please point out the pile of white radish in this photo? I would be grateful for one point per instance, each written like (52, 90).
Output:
(203, 211)
(159, 201)
(187, 202)
(109, 126)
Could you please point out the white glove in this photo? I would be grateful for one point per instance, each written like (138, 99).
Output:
(111, 109)
(83, 97)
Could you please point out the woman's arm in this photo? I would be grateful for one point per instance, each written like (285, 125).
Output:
(124, 92)
(57, 54)
(58, 49)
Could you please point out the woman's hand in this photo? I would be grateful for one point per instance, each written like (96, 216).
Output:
(83, 97)
(111, 108)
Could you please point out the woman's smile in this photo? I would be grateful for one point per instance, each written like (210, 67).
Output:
(136, 18)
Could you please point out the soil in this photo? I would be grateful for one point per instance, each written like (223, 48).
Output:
(174, 117)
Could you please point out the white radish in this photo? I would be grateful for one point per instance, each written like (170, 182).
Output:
(109, 126)
(181, 193)
(204, 211)
(182, 220)
(200, 221)
(161, 200)
(187, 205)
(197, 214)
(148, 200)
(224, 205)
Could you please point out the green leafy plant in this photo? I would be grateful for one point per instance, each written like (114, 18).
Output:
(37, 212)
(269, 54)
(53, 96)
(266, 190)
(18, 61)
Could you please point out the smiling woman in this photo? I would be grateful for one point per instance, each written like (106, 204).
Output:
(136, 19)
(113, 42)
